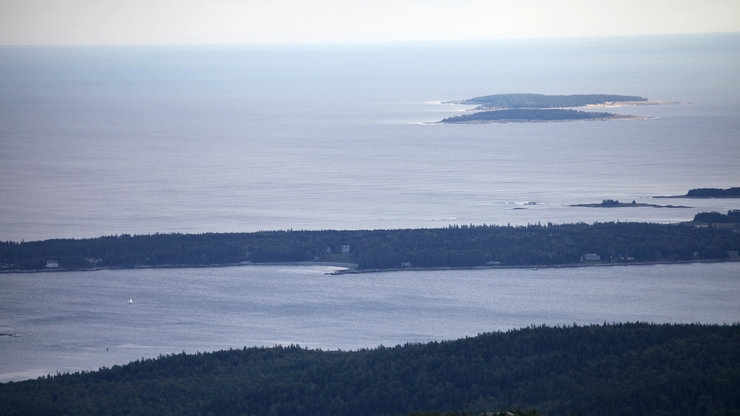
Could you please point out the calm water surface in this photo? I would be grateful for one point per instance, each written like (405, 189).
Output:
(73, 321)
(99, 141)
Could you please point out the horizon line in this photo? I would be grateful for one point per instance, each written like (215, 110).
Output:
(346, 43)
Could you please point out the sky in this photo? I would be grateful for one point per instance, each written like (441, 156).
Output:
(165, 22)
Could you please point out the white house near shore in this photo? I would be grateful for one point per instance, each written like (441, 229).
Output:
(590, 257)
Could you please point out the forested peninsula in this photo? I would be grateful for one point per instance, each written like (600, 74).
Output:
(709, 237)
(614, 369)
(505, 108)
(708, 193)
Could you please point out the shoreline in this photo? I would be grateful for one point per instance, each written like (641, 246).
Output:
(353, 268)
(345, 266)
(608, 104)
(626, 205)
(618, 104)
(507, 121)
(536, 266)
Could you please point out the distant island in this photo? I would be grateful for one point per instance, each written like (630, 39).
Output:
(532, 115)
(613, 203)
(507, 108)
(708, 193)
(513, 101)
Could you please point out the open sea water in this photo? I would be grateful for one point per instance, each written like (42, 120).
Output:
(101, 141)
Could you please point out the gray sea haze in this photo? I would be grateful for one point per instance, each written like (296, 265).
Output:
(70, 321)
(100, 141)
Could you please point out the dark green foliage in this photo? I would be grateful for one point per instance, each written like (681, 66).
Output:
(531, 412)
(547, 101)
(614, 203)
(611, 369)
(732, 216)
(714, 193)
(610, 202)
(528, 115)
(455, 246)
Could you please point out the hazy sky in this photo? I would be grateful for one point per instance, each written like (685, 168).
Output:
(258, 21)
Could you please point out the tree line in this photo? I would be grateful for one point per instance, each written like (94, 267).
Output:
(630, 368)
(732, 216)
(546, 101)
(529, 115)
(714, 193)
(454, 246)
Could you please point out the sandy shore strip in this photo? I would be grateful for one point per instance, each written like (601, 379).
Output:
(615, 104)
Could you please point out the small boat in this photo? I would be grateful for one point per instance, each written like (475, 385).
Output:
(130, 301)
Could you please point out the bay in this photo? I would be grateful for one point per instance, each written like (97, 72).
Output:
(70, 321)
(100, 141)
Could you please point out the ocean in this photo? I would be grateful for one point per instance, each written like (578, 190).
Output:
(137, 140)
(101, 141)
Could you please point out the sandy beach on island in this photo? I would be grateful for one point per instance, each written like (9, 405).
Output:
(614, 104)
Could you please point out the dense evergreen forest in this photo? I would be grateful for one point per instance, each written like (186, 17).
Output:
(454, 246)
(707, 193)
(615, 369)
(732, 217)
(714, 193)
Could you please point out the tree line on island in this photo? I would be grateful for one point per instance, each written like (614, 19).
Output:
(511, 101)
(454, 246)
(629, 368)
(520, 115)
